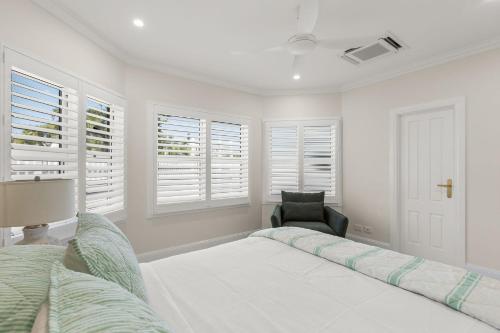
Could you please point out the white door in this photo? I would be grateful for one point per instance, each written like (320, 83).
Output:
(428, 213)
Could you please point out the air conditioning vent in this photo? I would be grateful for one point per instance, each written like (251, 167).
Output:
(382, 47)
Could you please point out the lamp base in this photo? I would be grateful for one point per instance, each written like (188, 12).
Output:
(35, 234)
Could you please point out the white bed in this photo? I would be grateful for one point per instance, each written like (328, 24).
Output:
(260, 285)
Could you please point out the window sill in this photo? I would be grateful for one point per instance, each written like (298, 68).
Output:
(173, 210)
(65, 230)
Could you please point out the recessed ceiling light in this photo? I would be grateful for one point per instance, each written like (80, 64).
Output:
(296, 76)
(138, 23)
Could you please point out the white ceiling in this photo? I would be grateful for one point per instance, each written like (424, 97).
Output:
(194, 38)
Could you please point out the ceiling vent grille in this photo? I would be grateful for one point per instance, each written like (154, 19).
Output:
(383, 47)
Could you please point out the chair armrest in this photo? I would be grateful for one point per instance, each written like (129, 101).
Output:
(336, 221)
(276, 217)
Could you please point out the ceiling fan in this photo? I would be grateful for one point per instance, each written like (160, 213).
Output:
(304, 41)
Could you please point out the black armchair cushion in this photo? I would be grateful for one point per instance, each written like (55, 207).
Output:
(303, 211)
(302, 197)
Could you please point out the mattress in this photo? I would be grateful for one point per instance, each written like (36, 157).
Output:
(260, 285)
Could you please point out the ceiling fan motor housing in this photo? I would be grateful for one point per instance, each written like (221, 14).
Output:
(301, 44)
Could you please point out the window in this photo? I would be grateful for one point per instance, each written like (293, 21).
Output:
(44, 128)
(181, 159)
(229, 160)
(47, 134)
(104, 157)
(302, 156)
(200, 160)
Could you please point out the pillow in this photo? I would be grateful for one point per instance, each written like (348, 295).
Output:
(101, 249)
(41, 324)
(302, 197)
(24, 283)
(80, 302)
(303, 211)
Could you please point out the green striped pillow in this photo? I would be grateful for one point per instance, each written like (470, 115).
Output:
(24, 283)
(101, 249)
(82, 303)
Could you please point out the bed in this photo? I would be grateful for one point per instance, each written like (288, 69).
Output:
(279, 280)
(262, 285)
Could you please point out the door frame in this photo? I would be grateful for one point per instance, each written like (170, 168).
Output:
(458, 106)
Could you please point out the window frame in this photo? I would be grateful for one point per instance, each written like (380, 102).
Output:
(38, 67)
(335, 201)
(156, 210)
(88, 90)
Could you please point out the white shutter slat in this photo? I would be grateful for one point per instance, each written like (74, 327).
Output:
(180, 159)
(117, 127)
(104, 157)
(69, 115)
(46, 175)
(116, 134)
(106, 205)
(67, 107)
(44, 128)
(41, 92)
(112, 174)
(106, 118)
(229, 160)
(45, 121)
(24, 139)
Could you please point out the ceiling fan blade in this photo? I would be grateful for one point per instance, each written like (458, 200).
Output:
(297, 65)
(345, 43)
(270, 49)
(308, 15)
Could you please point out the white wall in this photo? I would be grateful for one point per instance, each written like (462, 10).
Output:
(366, 147)
(297, 107)
(302, 106)
(28, 28)
(172, 230)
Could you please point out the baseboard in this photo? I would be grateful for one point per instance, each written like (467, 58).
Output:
(368, 241)
(483, 270)
(180, 249)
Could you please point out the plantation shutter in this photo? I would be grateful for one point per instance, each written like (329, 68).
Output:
(105, 166)
(180, 159)
(44, 127)
(319, 159)
(229, 160)
(283, 159)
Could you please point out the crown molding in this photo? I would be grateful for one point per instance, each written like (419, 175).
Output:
(74, 22)
(165, 69)
(70, 19)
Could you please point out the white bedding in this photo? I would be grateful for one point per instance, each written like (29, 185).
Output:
(260, 285)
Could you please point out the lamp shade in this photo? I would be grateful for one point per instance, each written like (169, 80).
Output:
(26, 203)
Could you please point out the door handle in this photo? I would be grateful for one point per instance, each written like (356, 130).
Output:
(449, 187)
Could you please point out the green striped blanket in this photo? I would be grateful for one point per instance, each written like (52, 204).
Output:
(467, 292)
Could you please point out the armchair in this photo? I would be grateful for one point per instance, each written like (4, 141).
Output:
(334, 224)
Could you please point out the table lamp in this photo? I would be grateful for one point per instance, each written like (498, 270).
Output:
(35, 203)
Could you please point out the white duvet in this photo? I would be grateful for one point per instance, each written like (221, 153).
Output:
(260, 285)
